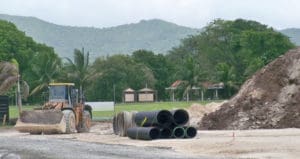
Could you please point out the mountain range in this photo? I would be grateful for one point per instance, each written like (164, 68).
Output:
(293, 34)
(156, 35)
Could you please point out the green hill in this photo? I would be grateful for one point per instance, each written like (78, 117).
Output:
(156, 35)
(294, 35)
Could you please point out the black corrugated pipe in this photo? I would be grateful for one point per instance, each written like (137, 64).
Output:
(143, 133)
(190, 132)
(153, 118)
(165, 133)
(180, 116)
(178, 132)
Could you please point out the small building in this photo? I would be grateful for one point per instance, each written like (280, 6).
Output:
(172, 89)
(146, 95)
(214, 87)
(129, 95)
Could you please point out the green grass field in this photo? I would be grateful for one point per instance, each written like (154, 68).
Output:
(13, 110)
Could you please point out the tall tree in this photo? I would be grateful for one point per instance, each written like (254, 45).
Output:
(46, 69)
(160, 66)
(226, 74)
(79, 70)
(191, 75)
(14, 44)
(231, 48)
(118, 73)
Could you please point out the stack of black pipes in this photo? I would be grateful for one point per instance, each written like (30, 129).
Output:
(161, 124)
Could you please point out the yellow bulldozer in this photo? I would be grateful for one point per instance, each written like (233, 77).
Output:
(64, 112)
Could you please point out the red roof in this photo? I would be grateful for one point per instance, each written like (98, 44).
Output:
(176, 83)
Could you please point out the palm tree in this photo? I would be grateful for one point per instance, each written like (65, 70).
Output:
(79, 69)
(46, 71)
(227, 75)
(9, 75)
(192, 75)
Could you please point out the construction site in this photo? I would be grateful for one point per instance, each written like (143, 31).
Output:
(261, 121)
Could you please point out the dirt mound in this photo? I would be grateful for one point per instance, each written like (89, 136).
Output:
(197, 111)
(270, 99)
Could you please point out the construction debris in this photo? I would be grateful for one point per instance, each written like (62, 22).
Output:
(270, 99)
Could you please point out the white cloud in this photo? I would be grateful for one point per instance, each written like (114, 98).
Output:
(193, 13)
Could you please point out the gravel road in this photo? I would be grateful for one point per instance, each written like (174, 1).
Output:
(101, 143)
(49, 148)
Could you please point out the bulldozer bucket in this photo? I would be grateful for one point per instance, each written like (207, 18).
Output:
(41, 121)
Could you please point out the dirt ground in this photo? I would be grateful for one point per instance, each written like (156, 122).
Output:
(250, 144)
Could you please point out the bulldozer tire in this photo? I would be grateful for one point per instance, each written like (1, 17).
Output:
(87, 122)
(70, 121)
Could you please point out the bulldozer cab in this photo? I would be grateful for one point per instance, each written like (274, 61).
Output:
(63, 93)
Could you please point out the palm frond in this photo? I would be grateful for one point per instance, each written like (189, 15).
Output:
(79, 59)
(7, 84)
(3, 76)
(7, 67)
(8, 76)
(38, 88)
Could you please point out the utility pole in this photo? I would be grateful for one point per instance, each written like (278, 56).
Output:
(187, 95)
(173, 95)
(114, 87)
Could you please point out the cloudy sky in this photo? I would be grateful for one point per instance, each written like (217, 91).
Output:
(193, 13)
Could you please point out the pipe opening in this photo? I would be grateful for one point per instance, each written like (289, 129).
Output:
(165, 133)
(178, 132)
(191, 132)
(164, 117)
(181, 117)
(154, 133)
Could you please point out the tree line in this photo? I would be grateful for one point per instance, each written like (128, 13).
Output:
(225, 51)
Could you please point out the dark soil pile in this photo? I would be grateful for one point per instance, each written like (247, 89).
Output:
(270, 99)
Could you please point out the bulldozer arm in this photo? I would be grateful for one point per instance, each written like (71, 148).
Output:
(41, 121)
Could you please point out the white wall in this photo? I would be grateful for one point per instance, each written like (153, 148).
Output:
(102, 106)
